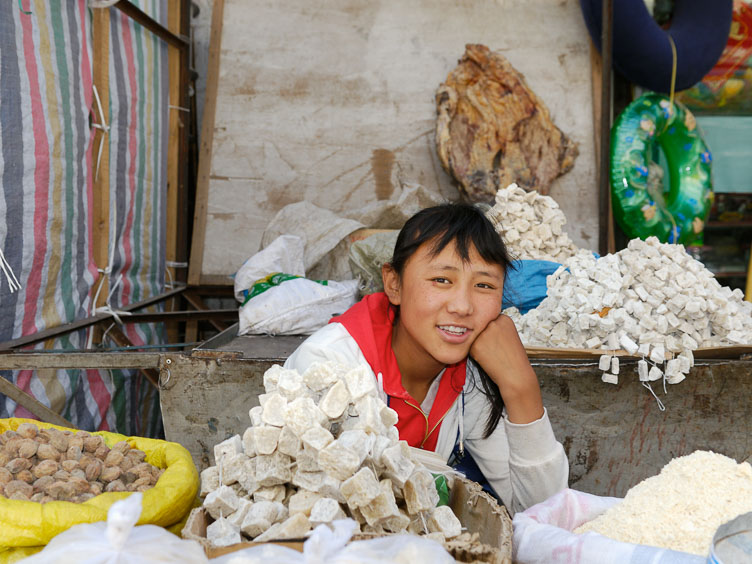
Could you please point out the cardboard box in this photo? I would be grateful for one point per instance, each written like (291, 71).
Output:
(478, 512)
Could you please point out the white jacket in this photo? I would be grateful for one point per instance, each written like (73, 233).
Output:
(524, 463)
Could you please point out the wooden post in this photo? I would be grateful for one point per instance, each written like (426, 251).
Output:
(205, 151)
(101, 195)
(173, 160)
(604, 192)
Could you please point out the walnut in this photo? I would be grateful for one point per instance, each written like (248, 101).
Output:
(78, 473)
(47, 452)
(136, 456)
(12, 446)
(110, 473)
(83, 497)
(143, 488)
(5, 476)
(113, 458)
(8, 435)
(122, 447)
(42, 483)
(27, 430)
(76, 440)
(115, 486)
(129, 477)
(69, 465)
(59, 441)
(18, 486)
(73, 452)
(37, 497)
(62, 475)
(91, 444)
(142, 482)
(93, 470)
(27, 448)
(126, 464)
(21, 496)
(59, 490)
(83, 462)
(45, 468)
(79, 485)
(18, 464)
(25, 476)
(4, 458)
(95, 488)
(101, 452)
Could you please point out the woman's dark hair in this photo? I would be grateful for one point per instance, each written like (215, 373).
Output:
(466, 226)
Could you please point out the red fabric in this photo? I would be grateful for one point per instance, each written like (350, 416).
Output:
(370, 323)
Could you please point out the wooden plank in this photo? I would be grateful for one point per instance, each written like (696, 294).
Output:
(82, 323)
(205, 150)
(77, 360)
(195, 300)
(173, 159)
(101, 189)
(604, 189)
(41, 411)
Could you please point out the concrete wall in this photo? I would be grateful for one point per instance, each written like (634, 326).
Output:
(333, 102)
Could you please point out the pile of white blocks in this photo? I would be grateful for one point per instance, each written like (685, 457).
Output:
(651, 299)
(321, 446)
(531, 225)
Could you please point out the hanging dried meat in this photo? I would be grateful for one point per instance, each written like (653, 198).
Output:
(492, 130)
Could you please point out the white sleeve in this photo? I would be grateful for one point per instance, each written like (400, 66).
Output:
(331, 342)
(524, 463)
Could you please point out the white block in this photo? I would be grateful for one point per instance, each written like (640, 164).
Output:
(317, 438)
(233, 445)
(222, 501)
(615, 365)
(628, 344)
(310, 481)
(303, 502)
(654, 374)
(335, 400)
(360, 382)
(604, 362)
(249, 448)
(361, 488)
(642, 370)
(290, 385)
(321, 375)
(265, 438)
(339, 461)
(222, 533)
(326, 510)
(273, 469)
(420, 492)
(255, 415)
(239, 514)
(209, 480)
(658, 354)
(443, 520)
(288, 442)
(302, 414)
(274, 406)
(295, 527)
(271, 493)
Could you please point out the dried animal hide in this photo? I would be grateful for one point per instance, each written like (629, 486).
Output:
(492, 130)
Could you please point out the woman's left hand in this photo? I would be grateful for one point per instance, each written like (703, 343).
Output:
(499, 351)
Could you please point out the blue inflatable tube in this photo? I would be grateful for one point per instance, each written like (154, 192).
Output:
(642, 51)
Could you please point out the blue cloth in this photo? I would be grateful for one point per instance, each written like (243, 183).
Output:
(525, 284)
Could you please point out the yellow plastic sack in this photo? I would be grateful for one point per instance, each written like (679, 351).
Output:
(26, 526)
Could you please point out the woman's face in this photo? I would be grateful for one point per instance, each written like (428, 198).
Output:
(445, 303)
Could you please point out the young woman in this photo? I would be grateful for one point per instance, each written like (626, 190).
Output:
(446, 360)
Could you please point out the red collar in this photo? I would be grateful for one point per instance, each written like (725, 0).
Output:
(370, 323)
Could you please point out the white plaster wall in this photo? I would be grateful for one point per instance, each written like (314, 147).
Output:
(329, 101)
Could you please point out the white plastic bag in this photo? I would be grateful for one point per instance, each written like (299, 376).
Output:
(543, 534)
(119, 541)
(284, 254)
(296, 307)
(327, 546)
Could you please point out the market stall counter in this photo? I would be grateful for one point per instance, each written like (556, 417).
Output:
(614, 435)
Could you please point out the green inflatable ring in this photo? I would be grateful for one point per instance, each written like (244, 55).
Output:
(677, 215)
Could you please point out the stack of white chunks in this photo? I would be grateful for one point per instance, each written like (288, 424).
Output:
(321, 446)
(650, 299)
(531, 224)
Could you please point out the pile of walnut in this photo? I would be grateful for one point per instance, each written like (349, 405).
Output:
(651, 299)
(322, 446)
(531, 224)
(51, 465)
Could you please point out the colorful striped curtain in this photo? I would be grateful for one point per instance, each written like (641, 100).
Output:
(46, 173)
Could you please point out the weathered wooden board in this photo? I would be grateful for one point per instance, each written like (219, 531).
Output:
(616, 436)
(333, 102)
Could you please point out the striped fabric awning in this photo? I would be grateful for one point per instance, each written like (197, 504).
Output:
(46, 196)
